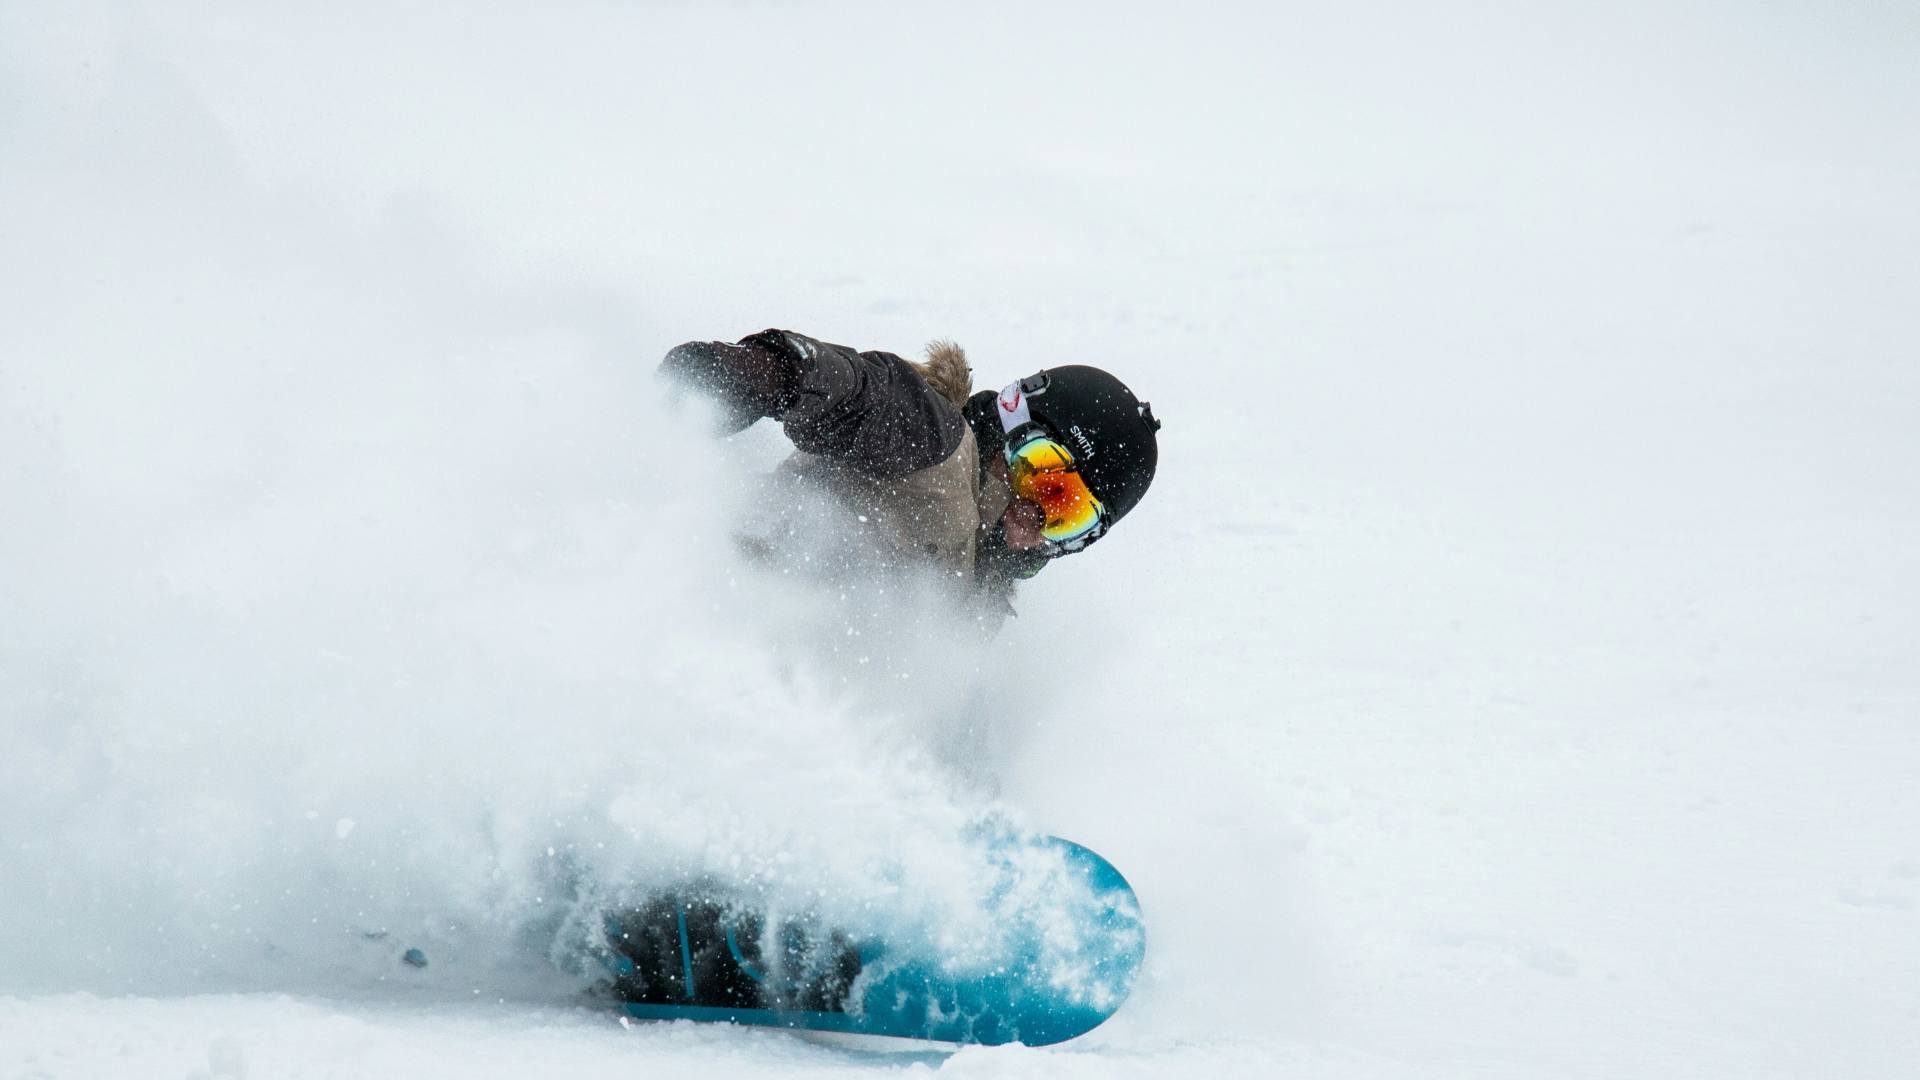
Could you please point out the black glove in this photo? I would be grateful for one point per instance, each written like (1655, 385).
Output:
(749, 380)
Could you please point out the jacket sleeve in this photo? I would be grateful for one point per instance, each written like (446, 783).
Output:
(870, 410)
(746, 381)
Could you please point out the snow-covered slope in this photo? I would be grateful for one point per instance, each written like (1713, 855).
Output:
(1514, 672)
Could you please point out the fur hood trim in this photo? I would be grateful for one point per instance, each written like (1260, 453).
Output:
(947, 372)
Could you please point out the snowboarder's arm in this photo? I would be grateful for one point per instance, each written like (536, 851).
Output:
(747, 380)
(871, 410)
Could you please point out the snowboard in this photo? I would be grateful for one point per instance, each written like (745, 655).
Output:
(1060, 945)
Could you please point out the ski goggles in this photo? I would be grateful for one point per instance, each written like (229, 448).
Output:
(1041, 471)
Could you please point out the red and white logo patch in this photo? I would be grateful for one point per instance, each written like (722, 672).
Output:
(1013, 408)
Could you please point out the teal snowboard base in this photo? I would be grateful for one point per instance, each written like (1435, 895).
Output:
(1065, 944)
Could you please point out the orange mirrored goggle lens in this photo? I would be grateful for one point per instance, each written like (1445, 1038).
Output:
(1042, 471)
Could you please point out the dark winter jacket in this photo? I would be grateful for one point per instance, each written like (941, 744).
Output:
(884, 435)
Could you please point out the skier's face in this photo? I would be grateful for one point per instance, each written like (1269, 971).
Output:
(1021, 525)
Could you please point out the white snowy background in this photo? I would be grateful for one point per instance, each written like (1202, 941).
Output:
(1515, 671)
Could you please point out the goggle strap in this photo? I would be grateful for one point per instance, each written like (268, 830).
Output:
(1013, 410)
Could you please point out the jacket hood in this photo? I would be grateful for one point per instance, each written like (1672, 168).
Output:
(947, 371)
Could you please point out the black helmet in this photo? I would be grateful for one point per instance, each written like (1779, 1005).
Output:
(1091, 413)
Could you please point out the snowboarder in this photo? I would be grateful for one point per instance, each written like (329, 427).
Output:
(988, 487)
